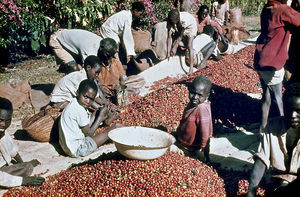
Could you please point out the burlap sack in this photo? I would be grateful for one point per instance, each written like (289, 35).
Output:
(142, 40)
(17, 93)
(43, 126)
(235, 16)
(160, 40)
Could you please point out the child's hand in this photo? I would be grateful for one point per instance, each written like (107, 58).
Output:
(35, 162)
(33, 181)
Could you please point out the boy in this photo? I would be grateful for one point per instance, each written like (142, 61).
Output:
(72, 46)
(271, 53)
(77, 127)
(112, 76)
(118, 27)
(203, 20)
(280, 147)
(220, 11)
(195, 129)
(66, 88)
(182, 26)
(292, 69)
(204, 45)
(17, 174)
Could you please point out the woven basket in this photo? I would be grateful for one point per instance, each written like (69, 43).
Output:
(43, 126)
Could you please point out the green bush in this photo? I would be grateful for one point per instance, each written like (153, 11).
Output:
(26, 25)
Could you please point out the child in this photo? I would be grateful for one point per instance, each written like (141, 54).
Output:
(72, 46)
(181, 26)
(195, 129)
(203, 20)
(66, 88)
(271, 53)
(77, 127)
(220, 11)
(112, 76)
(118, 27)
(280, 146)
(13, 171)
(204, 46)
(292, 69)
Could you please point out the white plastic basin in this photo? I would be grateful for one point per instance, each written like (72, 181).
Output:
(141, 143)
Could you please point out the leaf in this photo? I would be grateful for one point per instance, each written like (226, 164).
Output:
(35, 45)
(193, 171)
(43, 40)
(35, 35)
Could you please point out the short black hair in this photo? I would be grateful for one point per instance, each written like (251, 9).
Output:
(203, 80)
(92, 61)
(6, 104)
(209, 30)
(138, 6)
(109, 45)
(202, 8)
(85, 84)
(174, 13)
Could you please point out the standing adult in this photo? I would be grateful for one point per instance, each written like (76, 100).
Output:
(271, 53)
(118, 27)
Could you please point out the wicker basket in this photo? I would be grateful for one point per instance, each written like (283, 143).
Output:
(43, 126)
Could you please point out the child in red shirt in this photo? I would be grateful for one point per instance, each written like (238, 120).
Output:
(195, 127)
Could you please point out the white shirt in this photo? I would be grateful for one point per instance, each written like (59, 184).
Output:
(8, 150)
(119, 25)
(8, 180)
(79, 42)
(73, 117)
(200, 41)
(218, 11)
(189, 23)
(66, 88)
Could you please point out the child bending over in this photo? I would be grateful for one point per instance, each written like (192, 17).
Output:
(13, 171)
(195, 129)
(204, 45)
(77, 127)
(66, 88)
(182, 27)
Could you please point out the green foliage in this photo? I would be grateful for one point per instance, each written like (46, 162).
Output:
(26, 25)
(249, 7)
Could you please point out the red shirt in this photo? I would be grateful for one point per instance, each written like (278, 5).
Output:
(196, 126)
(208, 21)
(272, 44)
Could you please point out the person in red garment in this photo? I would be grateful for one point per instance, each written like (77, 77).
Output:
(195, 129)
(271, 53)
(292, 73)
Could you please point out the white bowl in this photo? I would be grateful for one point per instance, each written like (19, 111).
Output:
(141, 143)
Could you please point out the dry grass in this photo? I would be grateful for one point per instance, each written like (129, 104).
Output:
(252, 23)
(40, 70)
